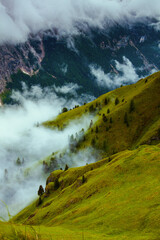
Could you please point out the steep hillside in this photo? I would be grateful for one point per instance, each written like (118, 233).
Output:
(115, 198)
(118, 198)
(124, 118)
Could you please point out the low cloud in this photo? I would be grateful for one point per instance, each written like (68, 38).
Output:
(123, 74)
(19, 18)
(70, 88)
(22, 137)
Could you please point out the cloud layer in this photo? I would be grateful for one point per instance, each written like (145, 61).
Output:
(20, 18)
(20, 137)
(124, 73)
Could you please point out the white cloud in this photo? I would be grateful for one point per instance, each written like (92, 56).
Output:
(69, 88)
(126, 73)
(20, 18)
(20, 137)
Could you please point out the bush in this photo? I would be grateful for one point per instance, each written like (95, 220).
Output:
(66, 167)
(106, 101)
(56, 184)
(126, 119)
(132, 106)
(83, 179)
(91, 108)
(93, 142)
(97, 130)
(104, 118)
(108, 111)
(111, 120)
(40, 191)
(64, 110)
(116, 101)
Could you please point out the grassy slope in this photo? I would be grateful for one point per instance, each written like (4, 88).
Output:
(120, 197)
(119, 200)
(144, 122)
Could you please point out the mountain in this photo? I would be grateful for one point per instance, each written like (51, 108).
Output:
(114, 198)
(88, 59)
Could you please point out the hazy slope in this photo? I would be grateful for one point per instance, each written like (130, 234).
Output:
(117, 197)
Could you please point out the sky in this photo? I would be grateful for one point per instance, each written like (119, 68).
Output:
(20, 18)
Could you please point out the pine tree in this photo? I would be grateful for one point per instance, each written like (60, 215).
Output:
(66, 167)
(105, 101)
(132, 106)
(83, 179)
(126, 119)
(111, 120)
(40, 191)
(116, 101)
(56, 184)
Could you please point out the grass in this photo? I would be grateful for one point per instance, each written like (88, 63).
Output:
(119, 199)
(116, 198)
(114, 135)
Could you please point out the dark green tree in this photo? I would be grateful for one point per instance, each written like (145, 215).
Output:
(66, 167)
(106, 101)
(93, 142)
(132, 106)
(83, 179)
(40, 191)
(126, 119)
(56, 184)
(64, 110)
(116, 101)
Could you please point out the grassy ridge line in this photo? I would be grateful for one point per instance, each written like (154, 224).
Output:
(114, 135)
(119, 198)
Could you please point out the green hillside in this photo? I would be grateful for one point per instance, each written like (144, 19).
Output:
(115, 198)
(125, 118)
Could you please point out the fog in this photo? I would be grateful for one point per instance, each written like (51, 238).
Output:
(23, 137)
(125, 73)
(20, 18)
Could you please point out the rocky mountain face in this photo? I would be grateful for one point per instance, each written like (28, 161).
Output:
(49, 59)
(27, 57)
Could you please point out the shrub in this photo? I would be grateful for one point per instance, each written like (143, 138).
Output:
(104, 118)
(56, 184)
(18, 161)
(107, 129)
(91, 108)
(108, 111)
(64, 110)
(93, 142)
(83, 179)
(132, 106)
(97, 130)
(106, 101)
(116, 101)
(40, 191)
(66, 167)
(111, 120)
(126, 119)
